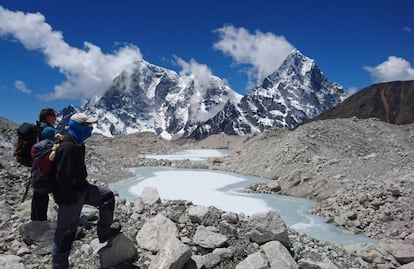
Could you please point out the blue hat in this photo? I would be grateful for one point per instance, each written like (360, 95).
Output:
(80, 131)
(48, 133)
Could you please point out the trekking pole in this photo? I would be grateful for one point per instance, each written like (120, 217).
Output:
(27, 190)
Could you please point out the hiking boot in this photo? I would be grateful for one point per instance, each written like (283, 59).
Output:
(104, 234)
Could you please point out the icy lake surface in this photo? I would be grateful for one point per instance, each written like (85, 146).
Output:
(226, 192)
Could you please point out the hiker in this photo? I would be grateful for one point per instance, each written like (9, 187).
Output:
(40, 201)
(73, 191)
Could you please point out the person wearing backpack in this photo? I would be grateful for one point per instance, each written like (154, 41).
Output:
(47, 119)
(40, 200)
(73, 191)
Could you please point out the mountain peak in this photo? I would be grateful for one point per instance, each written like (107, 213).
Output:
(149, 98)
(295, 92)
(295, 64)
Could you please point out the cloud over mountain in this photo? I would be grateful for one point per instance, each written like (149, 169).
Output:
(395, 68)
(87, 71)
(263, 52)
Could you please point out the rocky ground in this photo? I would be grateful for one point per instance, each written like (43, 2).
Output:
(360, 172)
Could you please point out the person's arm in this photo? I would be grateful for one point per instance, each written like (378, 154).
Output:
(66, 167)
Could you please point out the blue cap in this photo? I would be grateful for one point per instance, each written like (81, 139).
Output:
(48, 133)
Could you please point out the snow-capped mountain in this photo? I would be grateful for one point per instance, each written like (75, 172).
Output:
(295, 92)
(154, 99)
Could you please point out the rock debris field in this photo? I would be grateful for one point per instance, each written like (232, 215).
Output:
(360, 173)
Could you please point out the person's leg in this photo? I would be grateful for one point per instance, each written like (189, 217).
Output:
(67, 224)
(40, 202)
(102, 198)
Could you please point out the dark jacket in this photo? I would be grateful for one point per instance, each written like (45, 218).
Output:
(71, 171)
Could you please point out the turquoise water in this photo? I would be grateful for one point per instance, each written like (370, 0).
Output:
(226, 191)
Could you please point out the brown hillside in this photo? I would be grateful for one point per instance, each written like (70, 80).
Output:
(392, 102)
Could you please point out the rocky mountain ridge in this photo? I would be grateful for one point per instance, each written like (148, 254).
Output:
(148, 98)
(391, 102)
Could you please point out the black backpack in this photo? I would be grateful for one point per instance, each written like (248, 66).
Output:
(43, 173)
(27, 135)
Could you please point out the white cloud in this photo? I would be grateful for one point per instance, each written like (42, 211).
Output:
(201, 72)
(407, 29)
(21, 87)
(88, 71)
(393, 69)
(264, 52)
(352, 90)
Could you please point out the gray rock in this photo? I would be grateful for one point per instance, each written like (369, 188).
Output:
(138, 205)
(6, 211)
(278, 256)
(254, 261)
(230, 217)
(208, 239)
(274, 186)
(407, 266)
(269, 226)
(11, 262)
(150, 196)
(340, 220)
(197, 213)
(403, 253)
(409, 239)
(208, 260)
(155, 232)
(173, 255)
(312, 264)
(224, 252)
(39, 233)
(118, 249)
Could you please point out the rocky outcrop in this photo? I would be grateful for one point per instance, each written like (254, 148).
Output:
(178, 234)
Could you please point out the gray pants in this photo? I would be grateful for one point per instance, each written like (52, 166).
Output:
(68, 221)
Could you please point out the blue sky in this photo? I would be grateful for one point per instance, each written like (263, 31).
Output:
(56, 53)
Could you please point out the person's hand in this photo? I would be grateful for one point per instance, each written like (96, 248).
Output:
(59, 137)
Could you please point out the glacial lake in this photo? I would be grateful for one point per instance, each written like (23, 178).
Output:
(226, 191)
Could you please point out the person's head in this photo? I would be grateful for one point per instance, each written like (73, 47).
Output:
(47, 115)
(48, 133)
(81, 125)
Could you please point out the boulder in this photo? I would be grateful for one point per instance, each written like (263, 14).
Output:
(174, 255)
(256, 260)
(278, 256)
(155, 232)
(150, 196)
(11, 262)
(39, 233)
(403, 253)
(197, 213)
(118, 249)
(268, 226)
(209, 239)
